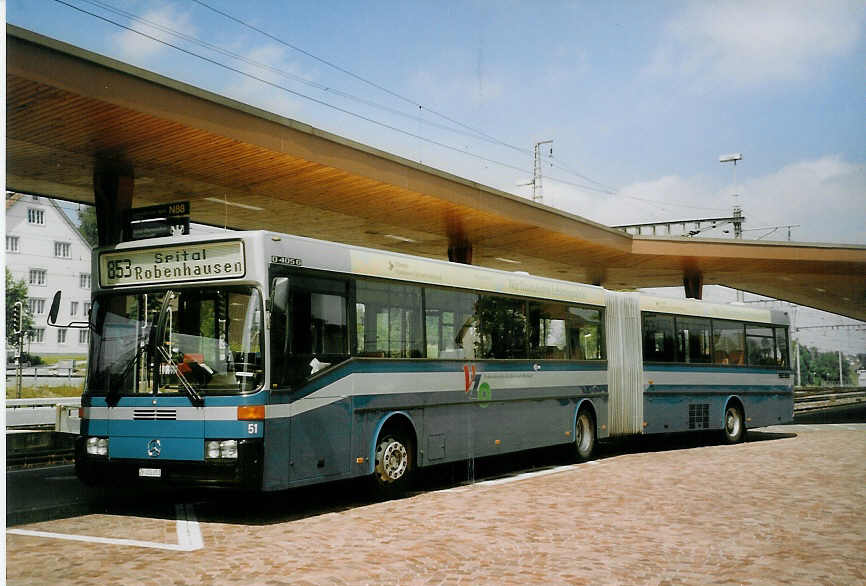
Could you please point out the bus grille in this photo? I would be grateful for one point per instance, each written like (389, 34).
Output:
(154, 414)
(699, 416)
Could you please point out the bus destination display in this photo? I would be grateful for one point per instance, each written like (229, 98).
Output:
(170, 264)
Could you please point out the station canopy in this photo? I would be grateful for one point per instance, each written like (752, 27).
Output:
(68, 110)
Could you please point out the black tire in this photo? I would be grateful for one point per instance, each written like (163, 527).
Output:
(584, 436)
(394, 465)
(734, 425)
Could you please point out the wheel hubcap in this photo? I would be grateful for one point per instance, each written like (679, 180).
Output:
(732, 423)
(584, 434)
(392, 459)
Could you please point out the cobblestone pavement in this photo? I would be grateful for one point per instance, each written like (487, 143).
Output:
(788, 507)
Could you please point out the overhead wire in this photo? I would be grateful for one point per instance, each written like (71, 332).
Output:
(408, 100)
(477, 134)
(287, 89)
(281, 72)
(414, 103)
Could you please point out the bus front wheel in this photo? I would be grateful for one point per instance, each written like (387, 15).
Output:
(394, 463)
(584, 435)
(735, 427)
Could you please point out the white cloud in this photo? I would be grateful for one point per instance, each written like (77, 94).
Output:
(132, 45)
(735, 44)
(823, 197)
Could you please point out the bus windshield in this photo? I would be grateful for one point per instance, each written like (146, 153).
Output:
(193, 341)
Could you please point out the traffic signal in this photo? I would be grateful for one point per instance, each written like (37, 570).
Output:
(17, 317)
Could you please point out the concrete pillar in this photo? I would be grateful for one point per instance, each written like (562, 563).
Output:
(113, 183)
(693, 282)
(460, 251)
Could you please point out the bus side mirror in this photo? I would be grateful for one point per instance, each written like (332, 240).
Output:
(55, 307)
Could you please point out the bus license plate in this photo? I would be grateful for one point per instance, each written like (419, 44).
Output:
(150, 472)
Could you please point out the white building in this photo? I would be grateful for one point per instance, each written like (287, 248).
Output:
(46, 250)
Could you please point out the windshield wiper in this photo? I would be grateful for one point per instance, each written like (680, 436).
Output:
(194, 397)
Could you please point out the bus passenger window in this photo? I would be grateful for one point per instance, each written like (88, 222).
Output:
(781, 347)
(450, 324)
(693, 340)
(760, 345)
(502, 327)
(388, 320)
(658, 338)
(585, 329)
(547, 332)
(728, 344)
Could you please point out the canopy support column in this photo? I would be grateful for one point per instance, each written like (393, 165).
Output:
(461, 252)
(693, 282)
(113, 184)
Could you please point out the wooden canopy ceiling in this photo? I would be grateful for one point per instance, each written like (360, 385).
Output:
(245, 168)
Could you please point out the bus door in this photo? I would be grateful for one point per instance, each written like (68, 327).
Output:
(310, 338)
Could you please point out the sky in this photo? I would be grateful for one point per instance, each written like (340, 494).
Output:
(640, 99)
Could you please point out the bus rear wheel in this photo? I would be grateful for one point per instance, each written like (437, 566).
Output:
(735, 427)
(394, 464)
(584, 435)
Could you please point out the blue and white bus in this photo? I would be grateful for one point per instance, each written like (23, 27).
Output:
(266, 361)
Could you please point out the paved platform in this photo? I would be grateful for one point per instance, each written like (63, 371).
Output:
(789, 506)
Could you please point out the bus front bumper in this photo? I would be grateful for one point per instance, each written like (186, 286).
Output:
(244, 473)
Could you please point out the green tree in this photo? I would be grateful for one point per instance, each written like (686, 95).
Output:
(16, 291)
(87, 221)
(822, 368)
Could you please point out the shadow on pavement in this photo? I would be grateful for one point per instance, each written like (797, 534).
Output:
(852, 414)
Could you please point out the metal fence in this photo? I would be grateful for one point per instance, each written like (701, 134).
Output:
(51, 413)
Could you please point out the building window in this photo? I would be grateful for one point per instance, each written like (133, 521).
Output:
(11, 244)
(61, 336)
(37, 306)
(73, 308)
(61, 249)
(86, 309)
(84, 280)
(35, 216)
(37, 276)
(83, 336)
(38, 335)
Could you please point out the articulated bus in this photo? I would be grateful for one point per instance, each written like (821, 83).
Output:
(265, 361)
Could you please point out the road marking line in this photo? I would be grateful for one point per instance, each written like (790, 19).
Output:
(188, 530)
(526, 475)
(188, 534)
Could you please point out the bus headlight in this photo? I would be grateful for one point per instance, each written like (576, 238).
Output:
(97, 446)
(229, 449)
(212, 450)
(221, 450)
